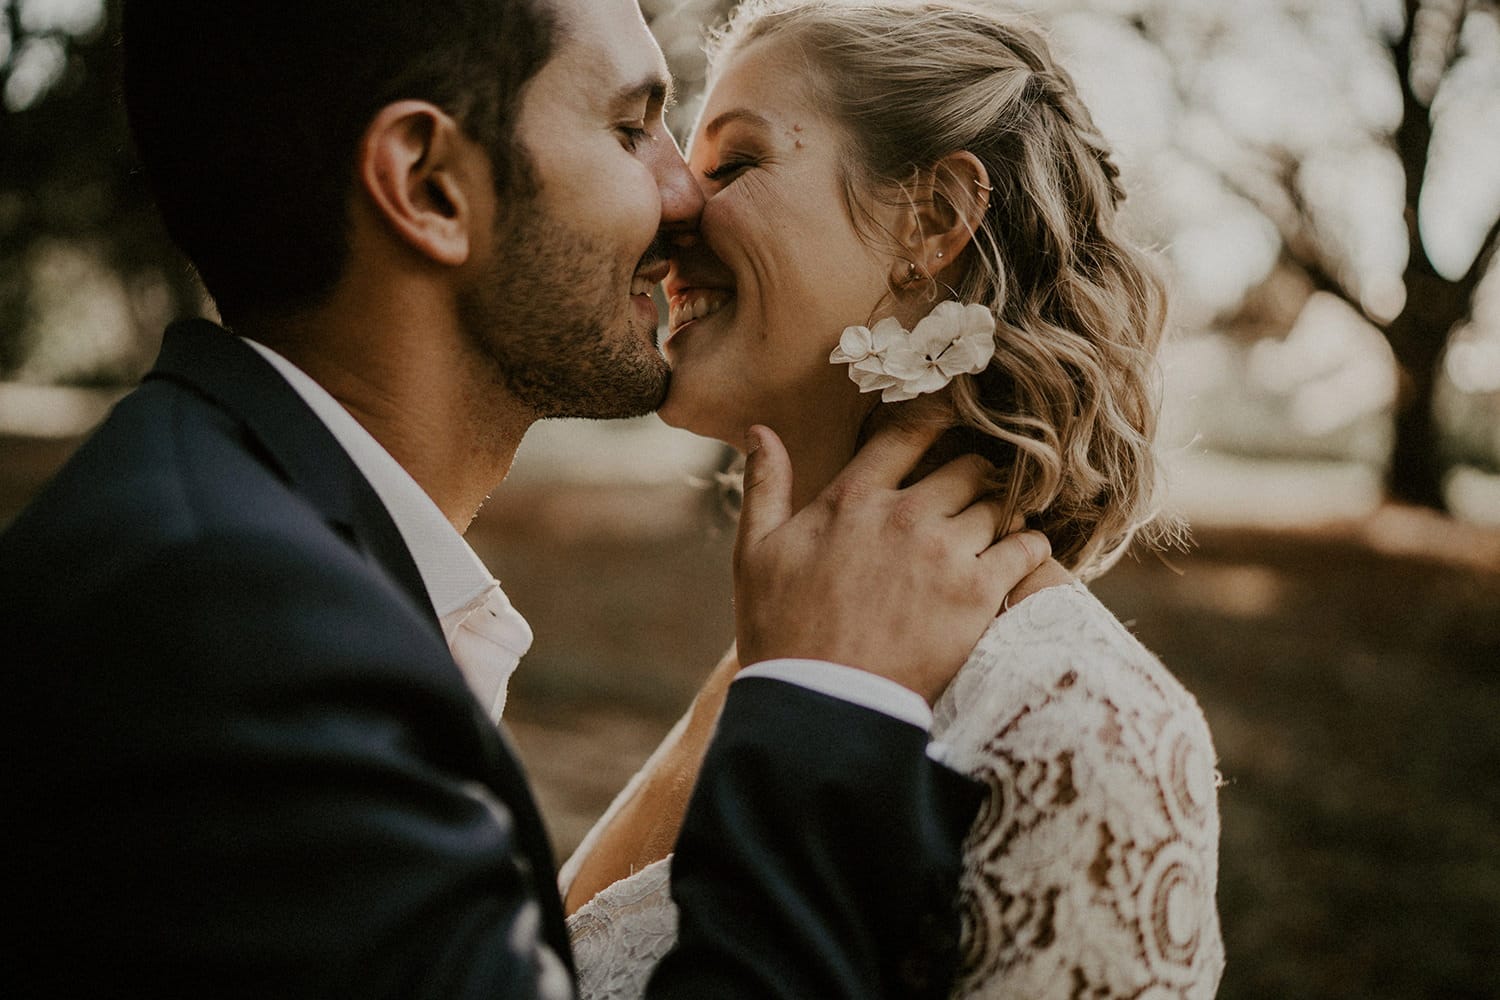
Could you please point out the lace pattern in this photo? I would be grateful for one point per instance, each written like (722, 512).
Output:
(1091, 869)
(623, 932)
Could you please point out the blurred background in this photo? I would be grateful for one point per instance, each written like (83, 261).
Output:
(1321, 179)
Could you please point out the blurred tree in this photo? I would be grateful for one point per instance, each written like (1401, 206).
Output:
(1444, 57)
(68, 186)
(1353, 142)
(1428, 52)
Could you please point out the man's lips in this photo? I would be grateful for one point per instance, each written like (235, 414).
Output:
(648, 276)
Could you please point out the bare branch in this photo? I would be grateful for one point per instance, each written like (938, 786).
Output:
(1271, 187)
(1433, 32)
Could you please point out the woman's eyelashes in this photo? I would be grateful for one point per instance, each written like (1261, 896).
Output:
(730, 168)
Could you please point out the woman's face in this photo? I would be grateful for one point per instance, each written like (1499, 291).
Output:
(758, 303)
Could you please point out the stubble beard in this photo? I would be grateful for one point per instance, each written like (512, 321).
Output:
(561, 337)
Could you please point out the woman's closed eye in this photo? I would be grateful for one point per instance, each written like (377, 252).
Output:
(730, 168)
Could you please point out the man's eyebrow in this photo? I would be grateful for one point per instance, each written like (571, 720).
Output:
(737, 115)
(656, 88)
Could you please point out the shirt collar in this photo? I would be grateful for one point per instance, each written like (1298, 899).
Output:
(452, 572)
(474, 612)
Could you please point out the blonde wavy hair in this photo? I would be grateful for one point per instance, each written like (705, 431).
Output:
(1067, 409)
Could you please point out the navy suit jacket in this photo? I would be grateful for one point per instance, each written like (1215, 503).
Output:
(241, 761)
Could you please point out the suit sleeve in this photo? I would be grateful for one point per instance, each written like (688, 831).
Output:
(820, 856)
(271, 787)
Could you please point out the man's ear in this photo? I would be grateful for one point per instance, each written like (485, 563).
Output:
(419, 171)
(945, 206)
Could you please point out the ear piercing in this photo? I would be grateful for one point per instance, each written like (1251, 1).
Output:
(911, 270)
(982, 186)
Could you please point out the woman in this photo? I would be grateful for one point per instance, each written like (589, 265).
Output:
(910, 200)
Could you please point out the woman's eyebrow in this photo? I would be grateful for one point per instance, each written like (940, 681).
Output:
(735, 115)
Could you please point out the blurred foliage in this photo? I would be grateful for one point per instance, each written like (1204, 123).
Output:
(87, 274)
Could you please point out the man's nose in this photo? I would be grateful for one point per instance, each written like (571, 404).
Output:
(681, 198)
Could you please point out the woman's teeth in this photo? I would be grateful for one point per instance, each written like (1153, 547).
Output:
(695, 305)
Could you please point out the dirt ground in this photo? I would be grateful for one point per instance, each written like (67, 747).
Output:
(1351, 675)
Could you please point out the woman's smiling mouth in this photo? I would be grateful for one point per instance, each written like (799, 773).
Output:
(689, 304)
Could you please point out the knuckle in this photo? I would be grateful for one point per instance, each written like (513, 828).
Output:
(842, 495)
(906, 516)
(1014, 552)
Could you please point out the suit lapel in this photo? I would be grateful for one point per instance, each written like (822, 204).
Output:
(209, 359)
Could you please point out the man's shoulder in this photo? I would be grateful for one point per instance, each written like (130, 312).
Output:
(170, 572)
(145, 466)
(170, 485)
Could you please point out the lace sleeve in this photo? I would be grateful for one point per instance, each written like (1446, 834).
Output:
(621, 934)
(1092, 869)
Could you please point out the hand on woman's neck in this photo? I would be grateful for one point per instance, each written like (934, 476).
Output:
(822, 442)
(819, 449)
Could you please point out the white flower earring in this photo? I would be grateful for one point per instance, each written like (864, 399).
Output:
(953, 339)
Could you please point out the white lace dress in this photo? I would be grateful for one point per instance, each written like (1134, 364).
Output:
(1092, 868)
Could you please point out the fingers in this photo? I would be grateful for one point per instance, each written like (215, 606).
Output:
(1013, 558)
(981, 523)
(956, 485)
(768, 487)
(892, 452)
(1049, 574)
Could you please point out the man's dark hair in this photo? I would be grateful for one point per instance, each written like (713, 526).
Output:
(247, 115)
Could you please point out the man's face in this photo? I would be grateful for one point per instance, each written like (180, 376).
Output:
(565, 309)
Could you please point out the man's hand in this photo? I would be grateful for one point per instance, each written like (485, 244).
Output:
(898, 582)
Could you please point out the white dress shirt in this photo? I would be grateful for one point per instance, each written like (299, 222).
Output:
(486, 635)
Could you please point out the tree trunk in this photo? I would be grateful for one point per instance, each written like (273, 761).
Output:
(1417, 337)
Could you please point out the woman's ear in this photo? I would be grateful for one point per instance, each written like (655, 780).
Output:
(419, 172)
(946, 205)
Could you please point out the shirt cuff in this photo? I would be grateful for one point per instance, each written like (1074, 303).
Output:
(858, 687)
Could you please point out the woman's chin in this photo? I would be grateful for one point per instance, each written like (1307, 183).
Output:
(679, 408)
(688, 411)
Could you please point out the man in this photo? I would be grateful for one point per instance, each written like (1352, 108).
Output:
(253, 661)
